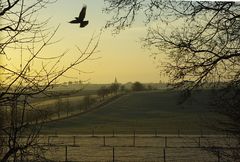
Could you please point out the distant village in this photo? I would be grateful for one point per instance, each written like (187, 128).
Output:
(71, 85)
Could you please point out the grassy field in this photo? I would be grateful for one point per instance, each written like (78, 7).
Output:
(144, 112)
(129, 149)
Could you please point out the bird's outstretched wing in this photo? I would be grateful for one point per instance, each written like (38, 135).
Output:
(82, 13)
(83, 24)
(74, 22)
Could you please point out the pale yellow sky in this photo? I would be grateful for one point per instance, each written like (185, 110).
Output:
(121, 56)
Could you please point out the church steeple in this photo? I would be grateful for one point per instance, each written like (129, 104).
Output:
(115, 81)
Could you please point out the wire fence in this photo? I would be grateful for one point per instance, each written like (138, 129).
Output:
(138, 147)
(135, 147)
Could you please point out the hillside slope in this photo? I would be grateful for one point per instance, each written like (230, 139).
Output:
(144, 112)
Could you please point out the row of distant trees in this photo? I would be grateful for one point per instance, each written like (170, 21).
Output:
(111, 90)
(114, 88)
(63, 107)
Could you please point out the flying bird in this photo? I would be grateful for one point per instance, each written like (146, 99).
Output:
(80, 19)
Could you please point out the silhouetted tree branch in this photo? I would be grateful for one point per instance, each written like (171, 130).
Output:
(205, 48)
(201, 42)
(25, 36)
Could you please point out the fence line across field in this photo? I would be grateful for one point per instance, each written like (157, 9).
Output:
(115, 147)
(115, 154)
(133, 139)
(136, 140)
(150, 132)
(135, 136)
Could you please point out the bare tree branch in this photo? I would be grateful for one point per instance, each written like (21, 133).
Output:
(201, 41)
(36, 72)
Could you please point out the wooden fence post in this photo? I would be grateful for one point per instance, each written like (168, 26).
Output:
(199, 141)
(164, 155)
(113, 155)
(66, 151)
(165, 141)
(134, 138)
(218, 155)
(104, 141)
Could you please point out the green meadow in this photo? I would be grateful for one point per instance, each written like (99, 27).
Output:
(144, 112)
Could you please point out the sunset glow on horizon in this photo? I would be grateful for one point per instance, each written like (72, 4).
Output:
(120, 56)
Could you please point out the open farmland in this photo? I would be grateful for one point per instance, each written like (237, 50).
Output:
(142, 126)
(146, 126)
(144, 112)
(135, 148)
